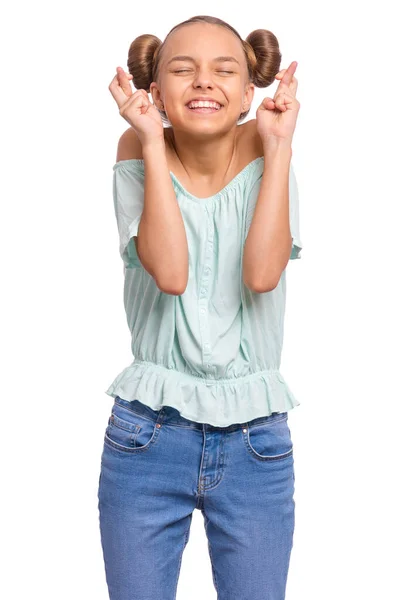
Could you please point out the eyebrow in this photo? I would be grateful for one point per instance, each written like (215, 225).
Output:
(183, 57)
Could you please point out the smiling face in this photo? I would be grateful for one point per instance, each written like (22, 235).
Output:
(211, 64)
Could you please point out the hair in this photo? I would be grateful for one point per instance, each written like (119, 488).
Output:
(261, 50)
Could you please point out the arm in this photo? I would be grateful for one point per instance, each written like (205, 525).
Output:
(268, 244)
(161, 242)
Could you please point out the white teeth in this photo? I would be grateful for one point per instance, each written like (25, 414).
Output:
(204, 104)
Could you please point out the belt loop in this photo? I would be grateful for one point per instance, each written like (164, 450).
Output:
(160, 417)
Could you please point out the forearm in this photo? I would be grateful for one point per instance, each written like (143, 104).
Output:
(268, 244)
(162, 243)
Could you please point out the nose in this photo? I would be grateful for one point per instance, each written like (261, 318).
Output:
(203, 79)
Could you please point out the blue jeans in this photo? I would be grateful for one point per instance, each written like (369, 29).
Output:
(157, 467)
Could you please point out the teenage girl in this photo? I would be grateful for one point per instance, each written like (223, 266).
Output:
(207, 214)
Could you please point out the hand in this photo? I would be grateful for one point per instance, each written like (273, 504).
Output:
(276, 117)
(136, 108)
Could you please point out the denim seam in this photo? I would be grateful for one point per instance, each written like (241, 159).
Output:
(266, 423)
(215, 483)
(136, 429)
(135, 449)
(254, 453)
(138, 414)
(259, 457)
(185, 540)
(212, 565)
(132, 434)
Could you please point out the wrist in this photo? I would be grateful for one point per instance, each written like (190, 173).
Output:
(273, 145)
(154, 144)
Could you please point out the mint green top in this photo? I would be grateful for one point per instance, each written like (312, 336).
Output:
(214, 352)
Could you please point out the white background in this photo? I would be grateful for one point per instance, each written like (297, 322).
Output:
(63, 327)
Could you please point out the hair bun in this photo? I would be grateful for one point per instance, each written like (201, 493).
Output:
(267, 56)
(141, 56)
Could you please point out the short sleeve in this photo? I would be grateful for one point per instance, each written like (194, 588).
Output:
(294, 218)
(128, 194)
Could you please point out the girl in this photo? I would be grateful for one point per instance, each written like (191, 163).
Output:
(207, 214)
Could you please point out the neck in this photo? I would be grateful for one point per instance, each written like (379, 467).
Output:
(206, 157)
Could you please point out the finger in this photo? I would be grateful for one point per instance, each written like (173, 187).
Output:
(143, 92)
(121, 71)
(117, 92)
(121, 97)
(284, 101)
(124, 81)
(136, 102)
(293, 85)
(267, 104)
(287, 79)
(280, 102)
(281, 74)
(293, 66)
(128, 75)
(117, 81)
(288, 74)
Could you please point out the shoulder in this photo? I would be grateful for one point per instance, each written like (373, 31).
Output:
(129, 145)
(250, 139)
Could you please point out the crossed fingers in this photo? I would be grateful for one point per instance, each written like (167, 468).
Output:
(288, 82)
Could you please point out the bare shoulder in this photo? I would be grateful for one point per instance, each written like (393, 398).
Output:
(251, 139)
(129, 145)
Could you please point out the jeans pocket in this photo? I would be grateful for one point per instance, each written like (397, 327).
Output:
(129, 431)
(270, 439)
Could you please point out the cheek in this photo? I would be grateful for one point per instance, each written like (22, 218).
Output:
(231, 92)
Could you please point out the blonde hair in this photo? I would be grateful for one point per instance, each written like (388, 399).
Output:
(261, 49)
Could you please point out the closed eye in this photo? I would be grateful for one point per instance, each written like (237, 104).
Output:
(186, 70)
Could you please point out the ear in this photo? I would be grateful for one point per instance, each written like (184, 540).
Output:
(156, 95)
(248, 96)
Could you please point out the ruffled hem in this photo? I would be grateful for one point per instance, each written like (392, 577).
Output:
(219, 402)
(297, 247)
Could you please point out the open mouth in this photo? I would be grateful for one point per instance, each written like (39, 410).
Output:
(203, 108)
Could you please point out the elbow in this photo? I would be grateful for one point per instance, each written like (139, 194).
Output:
(173, 291)
(261, 287)
(263, 282)
(172, 287)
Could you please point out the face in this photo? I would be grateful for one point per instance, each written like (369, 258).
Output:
(200, 75)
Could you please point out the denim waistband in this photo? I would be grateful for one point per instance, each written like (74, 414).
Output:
(171, 416)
